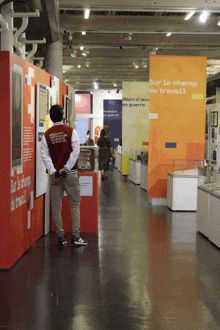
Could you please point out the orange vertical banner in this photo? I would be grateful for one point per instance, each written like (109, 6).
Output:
(177, 96)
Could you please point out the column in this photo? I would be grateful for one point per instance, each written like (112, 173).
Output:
(54, 59)
(7, 36)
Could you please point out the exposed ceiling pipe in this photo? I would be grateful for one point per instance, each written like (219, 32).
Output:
(156, 10)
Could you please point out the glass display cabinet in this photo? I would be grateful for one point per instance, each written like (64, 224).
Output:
(182, 183)
(136, 154)
(144, 157)
(88, 159)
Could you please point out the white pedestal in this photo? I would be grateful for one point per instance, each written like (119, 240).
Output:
(214, 219)
(134, 171)
(203, 204)
(158, 201)
(144, 176)
(182, 192)
(119, 162)
(116, 158)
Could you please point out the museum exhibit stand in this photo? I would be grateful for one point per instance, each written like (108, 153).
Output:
(182, 183)
(88, 177)
(119, 158)
(144, 169)
(135, 166)
(208, 212)
(116, 157)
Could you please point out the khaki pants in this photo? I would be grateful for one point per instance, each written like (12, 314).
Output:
(71, 185)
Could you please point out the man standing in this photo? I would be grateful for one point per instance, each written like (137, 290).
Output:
(59, 151)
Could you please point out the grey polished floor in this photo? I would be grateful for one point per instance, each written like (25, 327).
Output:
(147, 268)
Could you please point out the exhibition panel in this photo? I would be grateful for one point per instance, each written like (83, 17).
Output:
(177, 86)
(135, 119)
(22, 211)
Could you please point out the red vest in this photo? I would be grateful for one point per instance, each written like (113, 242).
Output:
(58, 139)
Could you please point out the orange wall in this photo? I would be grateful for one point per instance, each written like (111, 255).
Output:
(15, 236)
(180, 112)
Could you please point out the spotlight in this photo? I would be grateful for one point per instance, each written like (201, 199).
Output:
(130, 36)
(204, 16)
(117, 91)
(96, 85)
(87, 12)
(143, 47)
(120, 47)
(83, 33)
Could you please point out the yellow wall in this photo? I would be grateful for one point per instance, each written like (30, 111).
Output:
(135, 119)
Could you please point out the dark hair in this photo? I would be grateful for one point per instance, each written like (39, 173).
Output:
(103, 132)
(90, 142)
(56, 113)
(88, 132)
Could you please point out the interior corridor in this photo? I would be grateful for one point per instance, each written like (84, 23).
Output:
(148, 268)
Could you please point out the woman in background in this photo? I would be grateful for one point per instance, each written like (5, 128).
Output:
(105, 153)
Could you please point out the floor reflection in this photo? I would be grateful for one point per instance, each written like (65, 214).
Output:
(147, 268)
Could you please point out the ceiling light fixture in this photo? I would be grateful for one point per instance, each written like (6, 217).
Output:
(81, 48)
(115, 85)
(96, 85)
(87, 12)
(218, 22)
(83, 33)
(73, 55)
(130, 36)
(204, 16)
(84, 54)
(168, 34)
(189, 15)
(79, 66)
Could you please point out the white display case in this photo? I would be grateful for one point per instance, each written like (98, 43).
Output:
(135, 166)
(214, 218)
(136, 154)
(182, 185)
(208, 212)
(144, 170)
(120, 158)
(116, 157)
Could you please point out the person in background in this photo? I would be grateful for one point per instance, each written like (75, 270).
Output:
(59, 151)
(90, 142)
(87, 136)
(105, 153)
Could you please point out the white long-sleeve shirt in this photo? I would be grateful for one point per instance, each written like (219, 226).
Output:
(45, 155)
